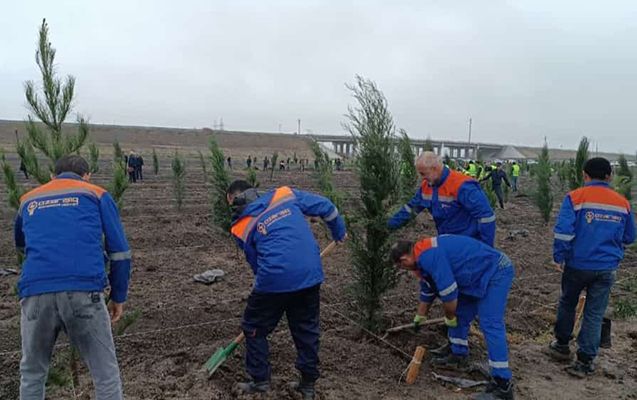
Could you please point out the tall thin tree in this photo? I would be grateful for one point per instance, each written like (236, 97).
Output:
(371, 125)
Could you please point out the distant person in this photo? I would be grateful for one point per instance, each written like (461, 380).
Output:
(515, 175)
(287, 163)
(254, 161)
(266, 162)
(594, 226)
(249, 162)
(497, 175)
(139, 165)
(64, 228)
(23, 168)
(339, 164)
(131, 165)
(229, 161)
(282, 165)
(316, 163)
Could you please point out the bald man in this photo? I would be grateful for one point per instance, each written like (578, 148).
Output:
(456, 202)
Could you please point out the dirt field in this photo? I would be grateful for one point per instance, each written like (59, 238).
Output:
(183, 322)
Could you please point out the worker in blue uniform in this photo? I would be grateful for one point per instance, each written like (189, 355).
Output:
(471, 279)
(276, 238)
(456, 202)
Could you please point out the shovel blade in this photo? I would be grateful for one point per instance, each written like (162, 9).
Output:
(215, 360)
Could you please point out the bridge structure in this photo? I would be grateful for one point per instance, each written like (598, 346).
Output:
(345, 146)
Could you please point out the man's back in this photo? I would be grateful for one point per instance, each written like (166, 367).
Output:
(61, 224)
(594, 224)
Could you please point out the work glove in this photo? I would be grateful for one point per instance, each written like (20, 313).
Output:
(451, 323)
(418, 320)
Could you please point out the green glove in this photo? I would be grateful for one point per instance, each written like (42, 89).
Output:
(451, 323)
(418, 320)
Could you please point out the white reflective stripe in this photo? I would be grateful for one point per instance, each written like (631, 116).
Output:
(446, 199)
(120, 255)
(461, 342)
(600, 206)
(486, 220)
(499, 364)
(407, 208)
(562, 236)
(426, 196)
(434, 242)
(427, 294)
(332, 216)
(448, 290)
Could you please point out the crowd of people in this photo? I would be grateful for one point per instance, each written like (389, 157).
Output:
(134, 165)
(460, 266)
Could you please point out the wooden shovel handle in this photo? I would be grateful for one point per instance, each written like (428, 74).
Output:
(328, 249)
(407, 326)
(239, 338)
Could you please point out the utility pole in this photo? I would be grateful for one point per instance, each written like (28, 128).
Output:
(470, 121)
(299, 121)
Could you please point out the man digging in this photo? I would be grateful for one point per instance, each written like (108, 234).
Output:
(471, 279)
(279, 246)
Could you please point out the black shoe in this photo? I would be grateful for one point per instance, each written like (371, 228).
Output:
(560, 352)
(254, 387)
(305, 387)
(580, 369)
(496, 390)
(441, 351)
(452, 361)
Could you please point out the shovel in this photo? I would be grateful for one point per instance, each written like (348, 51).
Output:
(222, 353)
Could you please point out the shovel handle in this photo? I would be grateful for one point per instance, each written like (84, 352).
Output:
(239, 338)
(328, 249)
(399, 328)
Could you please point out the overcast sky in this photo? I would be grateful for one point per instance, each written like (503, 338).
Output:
(521, 69)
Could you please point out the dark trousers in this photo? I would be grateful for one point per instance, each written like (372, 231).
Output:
(261, 316)
(132, 177)
(498, 192)
(138, 173)
(597, 285)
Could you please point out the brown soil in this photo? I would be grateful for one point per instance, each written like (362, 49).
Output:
(183, 322)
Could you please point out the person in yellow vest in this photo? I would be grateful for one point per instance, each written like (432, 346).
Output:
(515, 174)
(472, 170)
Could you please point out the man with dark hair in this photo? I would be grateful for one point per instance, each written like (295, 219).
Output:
(139, 166)
(593, 226)
(279, 246)
(472, 279)
(59, 228)
(497, 175)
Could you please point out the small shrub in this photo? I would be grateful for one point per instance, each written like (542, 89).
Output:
(577, 178)
(543, 195)
(94, 158)
(178, 166)
(408, 174)
(221, 213)
(155, 162)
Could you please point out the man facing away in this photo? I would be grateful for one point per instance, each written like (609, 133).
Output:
(471, 279)
(456, 202)
(593, 226)
(59, 227)
(279, 246)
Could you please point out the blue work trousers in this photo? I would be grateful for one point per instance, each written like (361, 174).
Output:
(261, 316)
(490, 309)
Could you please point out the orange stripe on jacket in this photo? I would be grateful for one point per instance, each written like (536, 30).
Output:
(239, 228)
(62, 184)
(245, 223)
(450, 186)
(598, 194)
(424, 245)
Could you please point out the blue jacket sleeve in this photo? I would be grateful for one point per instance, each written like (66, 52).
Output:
(473, 199)
(318, 206)
(406, 212)
(629, 231)
(427, 293)
(18, 234)
(564, 231)
(117, 249)
(436, 265)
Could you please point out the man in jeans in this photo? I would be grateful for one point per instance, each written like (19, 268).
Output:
(594, 225)
(279, 246)
(59, 227)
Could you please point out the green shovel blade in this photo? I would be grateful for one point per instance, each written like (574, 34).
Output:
(219, 357)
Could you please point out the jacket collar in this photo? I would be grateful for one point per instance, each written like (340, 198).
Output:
(443, 176)
(69, 175)
(596, 183)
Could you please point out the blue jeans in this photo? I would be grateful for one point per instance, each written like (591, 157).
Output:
(597, 285)
(514, 183)
(262, 315)
(491, 309)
